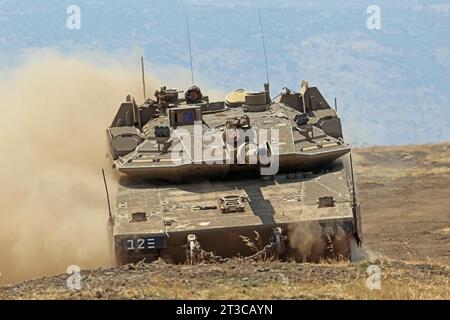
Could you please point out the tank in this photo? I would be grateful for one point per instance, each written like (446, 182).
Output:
(246, 177)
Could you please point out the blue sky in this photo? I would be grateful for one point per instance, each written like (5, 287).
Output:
(392, 84)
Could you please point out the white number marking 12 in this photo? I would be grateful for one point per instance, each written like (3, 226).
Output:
(140, 244)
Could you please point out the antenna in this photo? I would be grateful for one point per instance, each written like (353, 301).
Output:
(353, 181)
(190, 50)
(264, 44)
(143, 78)
(107, 194)
(335, 104)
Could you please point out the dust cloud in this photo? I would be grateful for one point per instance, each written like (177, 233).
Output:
(306, 239)
(310, 242)
(54, 111)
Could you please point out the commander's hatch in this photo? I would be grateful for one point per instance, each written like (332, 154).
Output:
(182, 116)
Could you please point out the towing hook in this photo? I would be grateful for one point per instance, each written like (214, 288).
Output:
(193, 249)
(278, 239)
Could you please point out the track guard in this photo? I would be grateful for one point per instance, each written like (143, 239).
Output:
(357, 224)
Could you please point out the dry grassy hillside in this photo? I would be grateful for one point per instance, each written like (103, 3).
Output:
(405, 196)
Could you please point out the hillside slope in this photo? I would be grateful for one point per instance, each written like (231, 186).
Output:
(404, 192)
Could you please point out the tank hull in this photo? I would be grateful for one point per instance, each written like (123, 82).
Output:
(313, 212)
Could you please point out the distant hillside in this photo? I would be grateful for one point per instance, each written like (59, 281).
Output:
(391, 83)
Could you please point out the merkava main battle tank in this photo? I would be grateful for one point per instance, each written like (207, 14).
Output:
(245, 177)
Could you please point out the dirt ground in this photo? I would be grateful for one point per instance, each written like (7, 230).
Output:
(405, 197)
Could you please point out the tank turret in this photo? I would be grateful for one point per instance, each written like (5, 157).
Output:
(300, 129)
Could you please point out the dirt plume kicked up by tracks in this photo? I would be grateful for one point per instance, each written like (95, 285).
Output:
(306, 237)
(55, 109)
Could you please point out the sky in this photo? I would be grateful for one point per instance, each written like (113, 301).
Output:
(392, 82)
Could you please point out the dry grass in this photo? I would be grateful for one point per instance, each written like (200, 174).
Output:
(340, 280)
(390, 289)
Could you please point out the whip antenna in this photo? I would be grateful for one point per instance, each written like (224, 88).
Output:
(143, 78)
(190, 50)
(263, 43)
(107, 195)
(353, 181)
